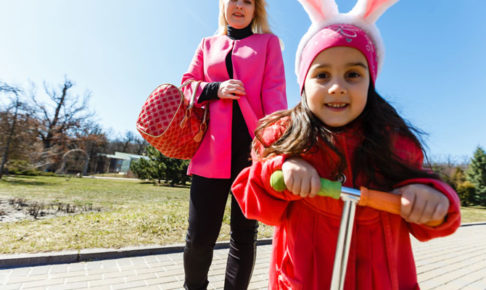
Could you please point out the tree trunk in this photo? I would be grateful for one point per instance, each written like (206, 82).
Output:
(9, 137)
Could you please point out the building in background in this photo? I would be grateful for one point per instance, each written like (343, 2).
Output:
(119, 162)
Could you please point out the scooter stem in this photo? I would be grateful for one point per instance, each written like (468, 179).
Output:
(343, 241)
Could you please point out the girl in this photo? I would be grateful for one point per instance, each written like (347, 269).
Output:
(242, 79)
(342, 130)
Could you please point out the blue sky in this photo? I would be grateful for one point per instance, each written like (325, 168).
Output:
(434, 71)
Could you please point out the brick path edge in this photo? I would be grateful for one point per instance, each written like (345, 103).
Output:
(36, 259)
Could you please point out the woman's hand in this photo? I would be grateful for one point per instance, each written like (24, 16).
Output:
(422, 204)
(300, 177)
(231, 89)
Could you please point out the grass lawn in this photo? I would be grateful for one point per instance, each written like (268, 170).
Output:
(132, 213)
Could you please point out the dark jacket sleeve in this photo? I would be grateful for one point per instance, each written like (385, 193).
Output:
(210, 92)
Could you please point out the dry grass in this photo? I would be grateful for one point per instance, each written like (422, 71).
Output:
(473, 214)
(132, 213)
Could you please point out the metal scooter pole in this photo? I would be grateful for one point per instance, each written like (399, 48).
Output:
(344, 239)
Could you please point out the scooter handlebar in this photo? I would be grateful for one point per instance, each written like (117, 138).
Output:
(379, 200)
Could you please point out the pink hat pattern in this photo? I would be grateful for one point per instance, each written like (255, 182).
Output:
(338, 35)
(329, 28)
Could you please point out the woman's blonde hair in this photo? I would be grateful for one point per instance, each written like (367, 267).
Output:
(259, 24)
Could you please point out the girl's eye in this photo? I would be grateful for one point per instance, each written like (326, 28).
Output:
(322, 75)
(352, 75)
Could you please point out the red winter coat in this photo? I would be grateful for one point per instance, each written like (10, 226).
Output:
(306, 230)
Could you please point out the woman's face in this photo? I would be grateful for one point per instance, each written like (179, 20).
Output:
(239, 13)
(336, 86)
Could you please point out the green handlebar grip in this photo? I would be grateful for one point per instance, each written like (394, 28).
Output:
(277, 181)
(328, 188)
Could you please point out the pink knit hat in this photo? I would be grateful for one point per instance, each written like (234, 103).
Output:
(329, 28)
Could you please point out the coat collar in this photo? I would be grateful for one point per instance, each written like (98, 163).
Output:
(237, 34)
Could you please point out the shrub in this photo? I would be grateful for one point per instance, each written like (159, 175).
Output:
(157, 167)
(466, 192)
(476, 174)
(21, 167)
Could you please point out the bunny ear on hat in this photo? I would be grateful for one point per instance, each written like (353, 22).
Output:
(371, 10)
(320, 10)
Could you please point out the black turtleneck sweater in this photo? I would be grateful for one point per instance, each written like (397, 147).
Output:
(210, 91)
(240, 138)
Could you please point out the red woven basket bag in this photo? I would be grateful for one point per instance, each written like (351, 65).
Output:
(171, 124)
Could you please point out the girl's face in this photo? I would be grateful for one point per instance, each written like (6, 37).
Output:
(239, 13)
(336, 86)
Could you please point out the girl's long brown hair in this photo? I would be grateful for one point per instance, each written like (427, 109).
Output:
(375, 158)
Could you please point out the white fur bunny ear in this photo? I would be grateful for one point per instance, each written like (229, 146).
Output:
(320, 10)
(371, 10)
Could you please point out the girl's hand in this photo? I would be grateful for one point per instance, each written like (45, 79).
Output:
(422, 204)
(231, 89)
(300, 177)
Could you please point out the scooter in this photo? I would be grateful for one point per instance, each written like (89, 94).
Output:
(351, 197)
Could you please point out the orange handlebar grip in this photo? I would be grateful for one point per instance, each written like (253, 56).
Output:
(434, 223)
(380, 200)
(384, 201)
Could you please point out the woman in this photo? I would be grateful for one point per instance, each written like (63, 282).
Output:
(241, 78)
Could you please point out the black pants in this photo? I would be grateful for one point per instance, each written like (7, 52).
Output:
(206, 209)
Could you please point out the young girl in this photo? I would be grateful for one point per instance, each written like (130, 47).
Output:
(342, 130)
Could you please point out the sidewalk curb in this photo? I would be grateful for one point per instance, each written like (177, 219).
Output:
(473, 224)
(64, 257)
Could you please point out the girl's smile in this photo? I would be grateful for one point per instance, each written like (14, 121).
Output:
(336, 87)
(336, 106)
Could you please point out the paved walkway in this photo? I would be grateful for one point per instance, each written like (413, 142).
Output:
(455, 262)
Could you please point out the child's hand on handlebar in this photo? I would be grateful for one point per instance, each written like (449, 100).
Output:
(422, 203)
(300, 177)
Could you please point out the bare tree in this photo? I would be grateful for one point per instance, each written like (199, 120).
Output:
(129, 143)
(16, 105)
(140, 145)
(60, 118)
(129, 139)
(93, 140)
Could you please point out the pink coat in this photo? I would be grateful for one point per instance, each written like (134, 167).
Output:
(257, 62)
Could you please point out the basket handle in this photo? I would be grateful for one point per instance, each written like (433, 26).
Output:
(193, 96)
(188, 111)
(202, 128)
